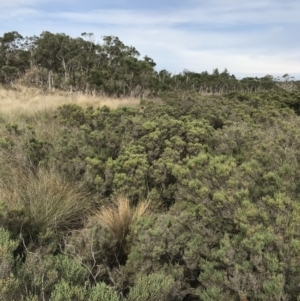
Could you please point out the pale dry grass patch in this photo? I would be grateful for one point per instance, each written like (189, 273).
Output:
(119, 216)
(32, 101)
(100, 101)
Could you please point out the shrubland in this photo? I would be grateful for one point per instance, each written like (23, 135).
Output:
(186, 197)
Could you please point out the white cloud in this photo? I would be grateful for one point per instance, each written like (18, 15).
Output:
(4, 4)
(8, 5)
(212, 15)
(21, 14)
(239, 62)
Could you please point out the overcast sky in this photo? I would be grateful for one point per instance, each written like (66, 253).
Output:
(249, 38)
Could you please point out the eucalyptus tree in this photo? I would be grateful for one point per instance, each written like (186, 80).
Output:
(13, 57)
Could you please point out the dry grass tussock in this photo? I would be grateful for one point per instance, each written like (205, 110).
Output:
(119, 216)
(48, 200)
(30, 101)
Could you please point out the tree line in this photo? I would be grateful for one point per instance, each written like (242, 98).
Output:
(57, 61)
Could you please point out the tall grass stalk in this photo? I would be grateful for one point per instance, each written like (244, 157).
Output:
(119, 216)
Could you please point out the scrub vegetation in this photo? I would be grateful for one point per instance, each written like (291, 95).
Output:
(182, 195)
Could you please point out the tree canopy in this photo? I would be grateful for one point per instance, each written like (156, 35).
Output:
(58, 61)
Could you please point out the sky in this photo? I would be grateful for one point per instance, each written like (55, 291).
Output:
(249, 38)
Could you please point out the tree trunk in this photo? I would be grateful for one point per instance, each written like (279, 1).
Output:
(50, 80)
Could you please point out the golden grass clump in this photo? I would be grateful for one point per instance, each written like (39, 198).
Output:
(119, 216)
(48, 201)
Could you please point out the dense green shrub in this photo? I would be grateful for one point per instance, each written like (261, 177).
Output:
(65, 292)
(152, 287)
(222, 173)
(102, 292)
(7, 246)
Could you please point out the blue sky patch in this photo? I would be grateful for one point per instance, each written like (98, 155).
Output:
(246, 37)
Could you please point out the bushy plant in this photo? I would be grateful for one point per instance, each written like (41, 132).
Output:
(95, 249)
(66, 292)
(7, 247)
(102, 292)
(8, 283)
(9, 289)
(157, 286)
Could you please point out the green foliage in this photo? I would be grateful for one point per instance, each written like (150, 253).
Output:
(9, 288)
(7, 246)
(221, 172)
(70, 270)
(152, 287)
(65, 292)
(37, 276)
(72, 115)
(102, 292)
